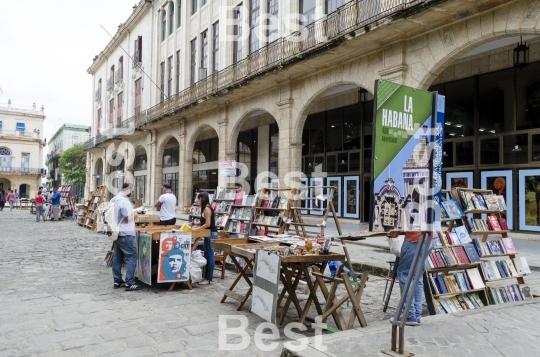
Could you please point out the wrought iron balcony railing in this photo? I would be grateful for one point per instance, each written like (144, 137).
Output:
(97, 95)
(118, 75)
(19, 133)
(22, 170)
(334, 27)
(110, 83)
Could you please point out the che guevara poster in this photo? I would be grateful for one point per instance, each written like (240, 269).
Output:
(403, 146)
(174, 257)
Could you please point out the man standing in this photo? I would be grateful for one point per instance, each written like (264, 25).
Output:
(126, 243)
(166, 206)
(55, 201)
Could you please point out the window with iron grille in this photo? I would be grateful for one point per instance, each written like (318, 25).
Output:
(163, 26)
(162, 83)
(111, 112)
(179, 20)
(204, 55)
(171, 18)
(254, 12)
(193, 62)
(137, 96)
(170, 78)
(215, 46)
(178, 71)
(195, 4)
(237, 33)
(120, 99)
(273, 21)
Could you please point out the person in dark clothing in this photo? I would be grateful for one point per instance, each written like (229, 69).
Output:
(207, 222)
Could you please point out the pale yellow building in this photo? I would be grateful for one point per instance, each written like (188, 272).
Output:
(21, 148)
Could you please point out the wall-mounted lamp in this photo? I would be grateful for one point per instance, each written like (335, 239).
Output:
(343, 162)
(521, 54)
(516, 148)
(445, 154)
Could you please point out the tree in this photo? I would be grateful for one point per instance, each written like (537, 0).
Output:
(72, 164)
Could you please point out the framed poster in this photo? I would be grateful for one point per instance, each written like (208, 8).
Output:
(500, 182)
(266, 285)
(316, 191)
(302, 194)
(144, 261)
(174, 257)
(529, 200)
(336, 200)
(462, 179)
(351, 197)
(274, 183)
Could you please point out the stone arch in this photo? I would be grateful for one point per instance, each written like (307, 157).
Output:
(140, 150)
(443, 47)
(309, 102)
(100, 170)
(5, 183)
(24, 189)
(237, 126)
(163, 143)
(190, 144)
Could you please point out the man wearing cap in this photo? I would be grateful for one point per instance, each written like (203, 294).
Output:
(166, 205)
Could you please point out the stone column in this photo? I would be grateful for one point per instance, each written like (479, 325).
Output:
(290, 144)
(225, 152)
(185, 168)
(153, 169)
(394, 64)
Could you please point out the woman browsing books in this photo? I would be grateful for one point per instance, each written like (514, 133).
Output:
(207, 222)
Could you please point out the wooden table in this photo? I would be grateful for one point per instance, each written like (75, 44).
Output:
(147, 219)
(239, 248)
(156, 231)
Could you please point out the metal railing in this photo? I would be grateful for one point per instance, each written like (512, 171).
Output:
(137, 57)
(97, 95)
(19, 133)
(22, 170)
(118, 75)
(110, 83)
(331, 29)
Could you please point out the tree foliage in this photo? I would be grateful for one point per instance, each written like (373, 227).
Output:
(72, 164)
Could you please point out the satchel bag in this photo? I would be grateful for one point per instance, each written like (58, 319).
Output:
(395, 244)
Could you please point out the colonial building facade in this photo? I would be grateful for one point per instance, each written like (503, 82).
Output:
(201, 84)
(21, 148)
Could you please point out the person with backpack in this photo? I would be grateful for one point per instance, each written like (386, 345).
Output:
(125, 244)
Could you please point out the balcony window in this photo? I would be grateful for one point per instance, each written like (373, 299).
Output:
(237, 33)
(204, 55)
(195, 4)
(137, 56)
(171, 18)
(163, 26)
(307, 9)
(273, 22)
(179, 21)
(254, 25)
(215, 47)
(74, 140)
(21, 127)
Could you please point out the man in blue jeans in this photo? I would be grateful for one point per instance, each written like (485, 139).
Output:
(408, 249)
(126, 243)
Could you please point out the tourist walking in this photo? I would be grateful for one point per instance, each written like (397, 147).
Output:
(40, 208)
(11, 200)
(2, 199)
(55, 201)
(207, 222)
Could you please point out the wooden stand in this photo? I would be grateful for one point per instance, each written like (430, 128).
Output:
(296, 215)
(89, 217)
(267, 210)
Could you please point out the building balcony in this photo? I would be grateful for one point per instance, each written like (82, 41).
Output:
(118, 75)
(10, 170)
(137, 58)
(97, 95)
(19, 134)
(110, 83)
(54, 153)
(317, 37)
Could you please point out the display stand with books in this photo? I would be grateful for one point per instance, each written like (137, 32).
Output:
(89, 218)
(323, 204)
(241, 215)
(272, 210)
(195, 210)
(466, 271)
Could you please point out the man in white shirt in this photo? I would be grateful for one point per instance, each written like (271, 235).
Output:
(166, 205)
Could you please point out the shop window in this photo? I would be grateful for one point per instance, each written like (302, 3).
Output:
(140, 162)
(368, 134)
(343, 164)
(464, 153)
(139, 189)
(528, 97)
(459, 118)
(305, 139)
(516, 149)
(351, 127)
(173, 180)
(331, 163)
(535, 143)
(354, 164)
(318, 165)
(496, 101)
(334, 130)
(274, 148)
(316, 133)
(170, 157)
(448, 154)
(489, 151)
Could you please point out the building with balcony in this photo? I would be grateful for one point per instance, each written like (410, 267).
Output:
(279, 94)
(64, 138)
(21, 148)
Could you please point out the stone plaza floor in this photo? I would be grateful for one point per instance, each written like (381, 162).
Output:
(57, 299)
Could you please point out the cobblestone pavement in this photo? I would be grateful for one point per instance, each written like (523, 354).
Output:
(57, 299)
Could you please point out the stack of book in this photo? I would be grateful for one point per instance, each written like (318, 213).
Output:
(492, 223)
(237, 227)
(221, 207)
(276, 202)
(227, 194)
(481, 201)
(451, 256)
(455, 282)
(221, 219)
(495, 246)
(459, 303)
(498, 269)
(242, 213)
(459, 236)
(509, 293)
(269, 220)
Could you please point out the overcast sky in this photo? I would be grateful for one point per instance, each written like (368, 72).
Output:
(46, 48)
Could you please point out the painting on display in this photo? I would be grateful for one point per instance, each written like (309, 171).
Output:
(336, 200)
(529, 200)
(317, 191)
(266, 285)
(407, 165)
(500, 182)
(459, 179)
(174, 257)
(144, 262)
(351, 195)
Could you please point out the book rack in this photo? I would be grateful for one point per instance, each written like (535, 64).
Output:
(272, 210)
(496, 262)
(90, 217)
(325, 205)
